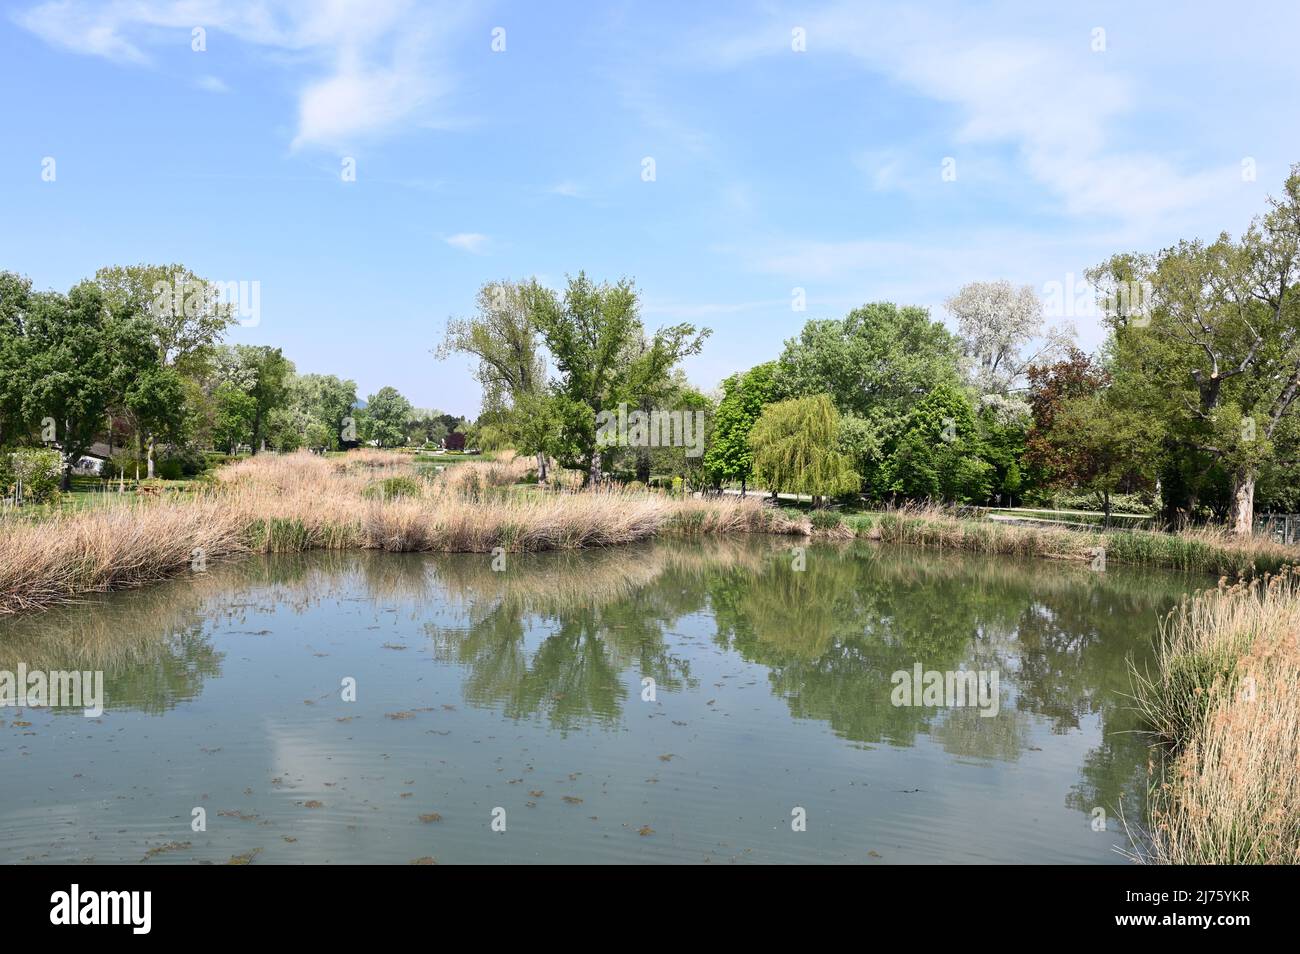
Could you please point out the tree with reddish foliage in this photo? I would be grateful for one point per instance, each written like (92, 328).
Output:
(1051, 388)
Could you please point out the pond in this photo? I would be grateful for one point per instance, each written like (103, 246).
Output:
(722, 700)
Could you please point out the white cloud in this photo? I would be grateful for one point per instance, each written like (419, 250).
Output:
(567, 188)
(474, 242)
(370, 63)
(1044, 92)
(212, 84)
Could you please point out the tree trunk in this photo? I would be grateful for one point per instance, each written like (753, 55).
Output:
(541, 468)
(643, 465)
(742, 488)
(1243, 503)
(593, 473)
(1105, 501)
(149, 459)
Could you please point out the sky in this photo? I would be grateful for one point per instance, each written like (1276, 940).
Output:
(370, 164)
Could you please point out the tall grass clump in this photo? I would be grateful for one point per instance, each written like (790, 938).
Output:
(365, 500)
(1203, 550)
(1223, 704)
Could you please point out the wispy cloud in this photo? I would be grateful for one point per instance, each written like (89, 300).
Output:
(212, 84)
(1059, 103)
(371, 65)
(474, 242)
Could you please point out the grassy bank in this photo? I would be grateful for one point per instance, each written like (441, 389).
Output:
(1202, 550)
(1223, 703)
(367, 500)
(379, 500)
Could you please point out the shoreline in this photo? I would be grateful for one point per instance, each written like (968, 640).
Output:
(377, 501)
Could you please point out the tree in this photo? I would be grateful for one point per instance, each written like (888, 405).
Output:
(536, 427)
(794, 449)
(595, 336)
(261, 372)
(938, 454)
(504, 338)
(729, 457)
(386, 415)
(996, 325)
(1051, 388)
(187, 317)
(75, 357)
(234, 410)
(1110, 447)
(1215, 347)
(15, 304)
(876, 363)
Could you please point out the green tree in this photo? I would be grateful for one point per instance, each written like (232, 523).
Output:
(595, 336)
(1208, 341)
(504, 338)
(729, 456)
(386, 415)
(1111, 447)
(264, 374)
(187, 316)
(74, 358)
(876, 363)
(233, 413)
(794, 449)
(938, 454)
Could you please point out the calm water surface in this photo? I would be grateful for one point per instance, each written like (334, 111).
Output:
(523, 690)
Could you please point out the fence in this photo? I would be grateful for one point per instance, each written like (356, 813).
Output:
(1282, 527)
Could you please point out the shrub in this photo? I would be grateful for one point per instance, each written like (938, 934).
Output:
(393, 488)
(37, 472)
(169, 468)
(825, 519)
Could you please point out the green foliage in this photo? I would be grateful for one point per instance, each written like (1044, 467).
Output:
(34, 472)
(385, 417)
(393, 488)
(873, 363)
(729, 457)
(595, 336)
(794, 449)
(234, 413)
(937, 454)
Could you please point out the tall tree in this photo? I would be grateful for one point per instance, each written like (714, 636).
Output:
(1001, 329)
(595, 336)
(729, 456)
(1216, 350)
(387, 413)
(75, 358)
(504, 339)
(261, 372)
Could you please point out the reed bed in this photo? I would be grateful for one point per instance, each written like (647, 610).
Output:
(297, 502)
(1204, 550)
(1223, 704)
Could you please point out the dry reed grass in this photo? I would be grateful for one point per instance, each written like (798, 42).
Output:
(1223, 700)
(298, 502)
(1208, 550)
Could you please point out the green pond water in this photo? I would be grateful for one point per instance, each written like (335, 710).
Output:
(522, 695)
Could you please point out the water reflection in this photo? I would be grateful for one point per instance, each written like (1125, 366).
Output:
(565, 639)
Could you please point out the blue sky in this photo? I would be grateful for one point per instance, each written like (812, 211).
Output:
(775, 168)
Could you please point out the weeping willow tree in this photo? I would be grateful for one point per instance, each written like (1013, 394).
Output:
(793, 445)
